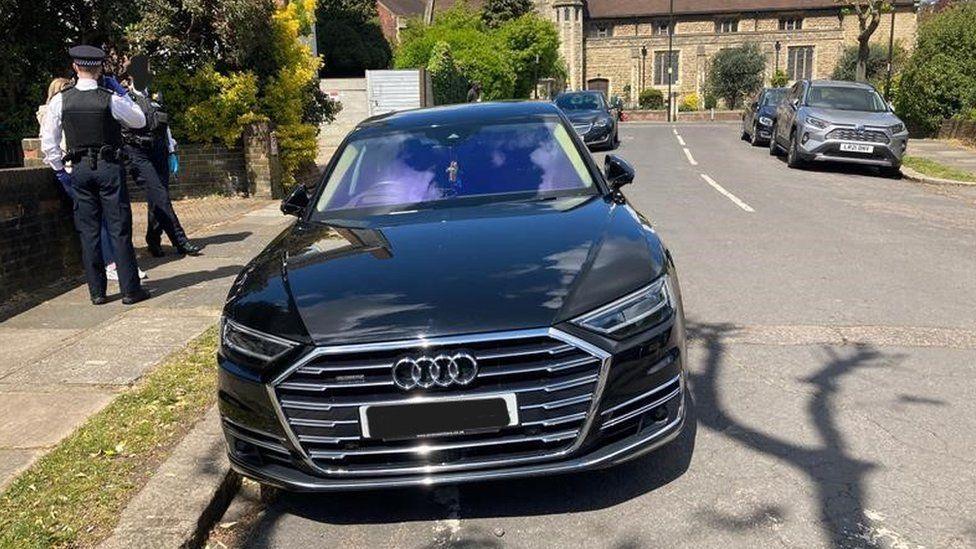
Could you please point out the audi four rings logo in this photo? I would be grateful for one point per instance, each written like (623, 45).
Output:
(442, 370)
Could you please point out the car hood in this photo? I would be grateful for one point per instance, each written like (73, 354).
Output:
(853, 118)
(767, 110)
(454, 271)
(585, 117)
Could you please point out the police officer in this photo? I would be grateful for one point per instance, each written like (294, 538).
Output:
(150, 157)
(91, 115)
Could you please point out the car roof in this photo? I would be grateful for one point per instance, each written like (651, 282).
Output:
(460, 114)
(841, 84)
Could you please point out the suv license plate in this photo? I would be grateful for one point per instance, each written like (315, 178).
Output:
(856, 148)
(438, 416)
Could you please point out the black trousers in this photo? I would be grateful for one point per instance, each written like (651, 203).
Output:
(100, 193)
(149, 166)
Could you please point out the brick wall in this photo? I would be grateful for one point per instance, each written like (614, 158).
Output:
(38, 243)
(208, 169)
(963, 130)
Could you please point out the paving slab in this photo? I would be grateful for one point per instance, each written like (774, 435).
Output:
(32, 419)
(22, 345)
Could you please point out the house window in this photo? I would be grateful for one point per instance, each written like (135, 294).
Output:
(799, 62)
(661, 28)
(791, 23)
(599, 31)
(661, 68)
(727, 25)
(576, 14)
(565, 14)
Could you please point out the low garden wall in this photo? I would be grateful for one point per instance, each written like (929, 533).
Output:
(687, 116)
(963, 130)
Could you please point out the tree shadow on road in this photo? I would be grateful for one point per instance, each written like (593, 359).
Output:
(838, 476)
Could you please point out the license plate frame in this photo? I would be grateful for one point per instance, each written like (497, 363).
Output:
(415, 409)
(857, 148)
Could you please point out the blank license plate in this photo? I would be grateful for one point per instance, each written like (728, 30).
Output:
(431, 417)
(856, 148)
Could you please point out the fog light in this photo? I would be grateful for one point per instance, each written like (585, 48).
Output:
(659, 414)
(806, 137)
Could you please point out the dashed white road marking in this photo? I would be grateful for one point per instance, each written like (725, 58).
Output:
(735, 199)
(681, 140)
(675, 130)
(691, 159)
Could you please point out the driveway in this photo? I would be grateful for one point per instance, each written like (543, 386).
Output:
(833, 367)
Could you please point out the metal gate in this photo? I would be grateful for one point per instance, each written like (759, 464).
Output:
(397, 90)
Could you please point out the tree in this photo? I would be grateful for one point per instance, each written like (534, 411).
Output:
(349, 34)
(736, 72)
(533, 43)
(939, 80)
(496, 12)
(877, 64)
(868, 18)
(450, 86)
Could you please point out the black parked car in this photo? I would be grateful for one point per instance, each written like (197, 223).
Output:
(592, 118)
(760, 115)
(464, 297)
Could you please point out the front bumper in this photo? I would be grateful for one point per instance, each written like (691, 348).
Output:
(594, 135)
(619, 425)
(818, 145)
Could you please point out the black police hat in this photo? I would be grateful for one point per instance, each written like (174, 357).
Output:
(87, 56)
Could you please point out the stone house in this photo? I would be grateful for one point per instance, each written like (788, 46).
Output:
(622, 45)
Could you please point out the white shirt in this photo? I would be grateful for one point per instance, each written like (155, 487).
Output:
(124, 109)
(170, 142)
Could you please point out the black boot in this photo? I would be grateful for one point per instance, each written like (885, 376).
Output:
(139, 295)
(185, 247)
(155, 249)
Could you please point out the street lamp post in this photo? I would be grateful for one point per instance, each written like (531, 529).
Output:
(535, 84)
(778, 46)
(643, 69)
(670, 54)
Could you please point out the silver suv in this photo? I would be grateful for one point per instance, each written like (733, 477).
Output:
(836, 121)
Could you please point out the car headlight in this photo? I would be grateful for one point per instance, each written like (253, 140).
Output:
(765, 121)
(817, 123)
(251, 346)
(602, 122)
(633, 312)
(896, 128)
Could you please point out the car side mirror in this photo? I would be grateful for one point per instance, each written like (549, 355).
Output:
(794, 104)
(296, 201)
(618, 171)
(755, 105)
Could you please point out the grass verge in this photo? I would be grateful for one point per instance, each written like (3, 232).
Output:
(72, 497)
(932, 168)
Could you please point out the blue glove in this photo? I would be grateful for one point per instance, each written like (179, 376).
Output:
(65, 179)
(174, 163)
(111, 83)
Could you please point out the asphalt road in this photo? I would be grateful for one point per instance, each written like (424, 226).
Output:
(833, 369)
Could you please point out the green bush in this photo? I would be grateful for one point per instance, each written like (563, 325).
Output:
(939, 80)
(736, 72)
(450, 86)
(711, 101)
(502, 60)
(207, 106)
(651, 98)
(349, 34)
(877, 63)
(779, 79)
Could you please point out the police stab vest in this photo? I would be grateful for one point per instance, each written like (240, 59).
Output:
(86, 118)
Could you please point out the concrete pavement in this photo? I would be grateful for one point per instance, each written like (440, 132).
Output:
(65, 359)
(833, 344)
(944, 152)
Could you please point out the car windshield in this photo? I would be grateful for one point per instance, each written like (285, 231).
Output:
(846, 98)
(773, 97)
(579, 102)
(440, 164)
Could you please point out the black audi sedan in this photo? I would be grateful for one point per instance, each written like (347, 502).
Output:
(592, 117)
(465, 296)
(760, 115)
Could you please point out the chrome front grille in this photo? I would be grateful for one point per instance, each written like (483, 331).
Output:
(554, 379)
(865, 136)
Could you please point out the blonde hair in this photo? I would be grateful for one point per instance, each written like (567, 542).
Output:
(56, 86)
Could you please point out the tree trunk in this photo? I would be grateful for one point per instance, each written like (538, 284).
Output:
(863, 54)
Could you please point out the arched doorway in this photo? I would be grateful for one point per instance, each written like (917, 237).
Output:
(599, 84)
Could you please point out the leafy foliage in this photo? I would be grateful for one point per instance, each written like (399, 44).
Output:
(939, 80)
(502, 60)
(690, 102)
(208, 106)
(868, 14)
(736, 72)
(496, 12)
(877, 63)
(651, 98)
(450, 86)
(779, 79)
(349, 34)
